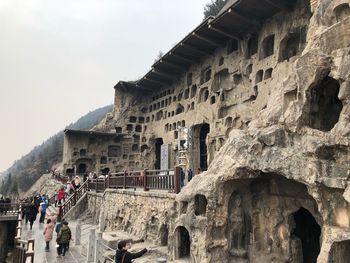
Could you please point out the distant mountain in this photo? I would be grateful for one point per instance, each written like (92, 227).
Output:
(25, 171)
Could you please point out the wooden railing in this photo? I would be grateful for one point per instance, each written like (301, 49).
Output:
(147, 179)
(169, 180)
(24, 249)
(72, 200)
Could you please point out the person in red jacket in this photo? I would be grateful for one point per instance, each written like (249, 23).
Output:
(60, 196)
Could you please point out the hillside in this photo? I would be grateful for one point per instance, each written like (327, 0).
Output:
(25, 171)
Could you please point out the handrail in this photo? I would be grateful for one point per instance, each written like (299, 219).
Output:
(169, 180)
(72, 200)
(24, 249)
(147, 179)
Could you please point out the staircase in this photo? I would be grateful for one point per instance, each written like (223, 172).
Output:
(62, 210)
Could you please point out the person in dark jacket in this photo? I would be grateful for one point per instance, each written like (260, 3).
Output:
(63, 238)
(123, 256)
(2, 205)
(32, 212)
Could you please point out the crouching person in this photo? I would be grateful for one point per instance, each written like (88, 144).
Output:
(123, 256)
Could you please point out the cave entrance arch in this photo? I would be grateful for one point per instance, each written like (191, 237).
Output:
(183, 243)
(158, 144)
(82, 168)
(309, 232)
(325, 106)
(164, 233)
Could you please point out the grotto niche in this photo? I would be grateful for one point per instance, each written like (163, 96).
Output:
(271, 219)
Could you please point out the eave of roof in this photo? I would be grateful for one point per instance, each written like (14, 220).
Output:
(85, 132)
(233, 22)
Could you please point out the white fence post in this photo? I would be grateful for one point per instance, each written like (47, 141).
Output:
(98, 248)
(101, 222)
(91, 246)
(78, 233)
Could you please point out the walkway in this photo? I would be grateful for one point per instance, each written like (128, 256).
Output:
(40, 256)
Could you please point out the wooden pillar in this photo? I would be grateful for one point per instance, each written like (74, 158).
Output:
(144, 178)
(177, 179)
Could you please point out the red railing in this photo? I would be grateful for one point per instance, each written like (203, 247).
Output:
(72, 200)
(24, 249)
(147, 179)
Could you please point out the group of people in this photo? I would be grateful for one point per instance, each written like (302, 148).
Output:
(34, 206)
(37, 205)
(4, 205)
(66, 191)
(64, 236)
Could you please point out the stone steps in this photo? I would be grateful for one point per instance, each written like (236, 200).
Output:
(51, 211)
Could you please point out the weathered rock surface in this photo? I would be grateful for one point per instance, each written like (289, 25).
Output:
(271, 119)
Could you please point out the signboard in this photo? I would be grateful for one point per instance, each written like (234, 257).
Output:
(164, 157)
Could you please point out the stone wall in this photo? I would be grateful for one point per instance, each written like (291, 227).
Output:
(142, 214)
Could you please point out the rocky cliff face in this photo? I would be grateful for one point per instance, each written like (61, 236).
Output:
(278, 191)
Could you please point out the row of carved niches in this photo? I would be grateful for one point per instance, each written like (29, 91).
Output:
(272, 220)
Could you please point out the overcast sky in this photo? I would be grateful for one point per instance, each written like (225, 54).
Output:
(61, 59)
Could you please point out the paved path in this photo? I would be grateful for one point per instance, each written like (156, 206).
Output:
(40, 256)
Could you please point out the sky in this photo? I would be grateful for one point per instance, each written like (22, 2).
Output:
(61, 59)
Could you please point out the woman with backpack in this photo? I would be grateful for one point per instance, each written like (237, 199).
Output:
(63, 238)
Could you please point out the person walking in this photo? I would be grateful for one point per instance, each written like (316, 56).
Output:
(63, 238)
(124, 256)
(60, 196)
(32, 212)
(48, 231)
(44, 205)
(2, 205)
(77, 182)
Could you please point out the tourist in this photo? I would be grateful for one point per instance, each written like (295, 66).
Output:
(55, 197)
(58, 226)
(122, 254)
(68, 188)
(25, 210)
(48, 234)
(182, 178)
(44, 205)
(199, 171)
(63, 238)
(37, 201)
(190, 174)
(60, 196)
(32, 212)
(2, 205)
(77, 182)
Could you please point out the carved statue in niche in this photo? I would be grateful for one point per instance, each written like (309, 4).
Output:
(276, 218)
(194, 249)
(237, 231)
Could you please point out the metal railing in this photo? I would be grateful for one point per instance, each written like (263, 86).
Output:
(147, 179)
(24, 249)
